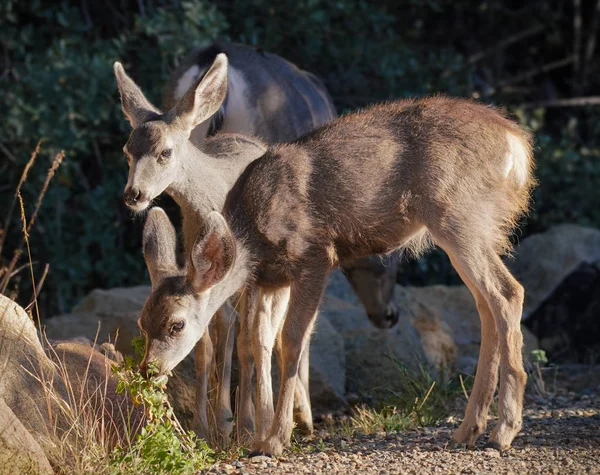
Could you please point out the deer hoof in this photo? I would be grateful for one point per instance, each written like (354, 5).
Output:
(495, 446)
(454, 445)
(258, 453)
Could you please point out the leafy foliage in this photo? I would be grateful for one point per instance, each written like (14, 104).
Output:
(57, 82)
(161, 446)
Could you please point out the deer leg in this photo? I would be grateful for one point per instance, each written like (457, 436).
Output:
(245, 407)
(302, 407)
(507, 307)
(486, 377)
(306, 293)
(500, 296)
(203, 355)
(225, 328)
(272, 305)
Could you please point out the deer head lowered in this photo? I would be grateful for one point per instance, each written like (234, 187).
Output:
(400, 175)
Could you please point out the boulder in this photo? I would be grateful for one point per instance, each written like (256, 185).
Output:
(18, 449)
(567, 321)
(455, 306)
(54, 394)
(542, 261)
(327, 371)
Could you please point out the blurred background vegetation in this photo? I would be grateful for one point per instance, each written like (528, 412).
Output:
(536, 58)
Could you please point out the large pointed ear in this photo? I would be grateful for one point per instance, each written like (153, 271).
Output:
(213, 253)
(160, 246)
(136, 107)
(204, 97)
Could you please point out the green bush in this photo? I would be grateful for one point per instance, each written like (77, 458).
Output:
(57, 84)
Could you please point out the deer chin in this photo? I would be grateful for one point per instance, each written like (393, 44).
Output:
(139, 206)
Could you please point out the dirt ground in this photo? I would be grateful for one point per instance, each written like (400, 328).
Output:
(561, 435)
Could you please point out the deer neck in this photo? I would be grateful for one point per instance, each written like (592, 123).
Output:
(238, 276)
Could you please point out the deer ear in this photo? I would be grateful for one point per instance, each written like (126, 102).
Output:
(213, 253)
(204, 98)
(136, 107)
(160, 246)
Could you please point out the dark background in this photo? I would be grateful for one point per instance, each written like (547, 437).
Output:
(56, 83)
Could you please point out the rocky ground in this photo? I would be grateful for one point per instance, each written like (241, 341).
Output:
(561, 434)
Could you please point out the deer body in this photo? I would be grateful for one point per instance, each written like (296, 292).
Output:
(397, 175)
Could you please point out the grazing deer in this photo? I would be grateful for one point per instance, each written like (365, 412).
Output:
(266, 97)
(398, 175)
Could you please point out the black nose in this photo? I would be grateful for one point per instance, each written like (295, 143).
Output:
(132, 196)
(392, 316)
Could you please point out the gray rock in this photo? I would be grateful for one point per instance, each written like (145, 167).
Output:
(37, 386)
(542, 261)
(327, 366)
(18, 449)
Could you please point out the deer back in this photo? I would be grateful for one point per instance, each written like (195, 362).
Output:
(267, 96)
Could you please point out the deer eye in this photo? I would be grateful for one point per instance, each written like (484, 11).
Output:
(165, 154)
(177, 326)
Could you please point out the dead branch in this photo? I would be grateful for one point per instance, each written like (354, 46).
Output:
(591, 45)
(474, 58)
(19, 249)
(535, 71)
(577, 21)
(571, 102)
(38, 287)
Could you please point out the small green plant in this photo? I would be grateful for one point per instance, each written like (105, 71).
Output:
(162, 446)
(421, 401)
(536, 363)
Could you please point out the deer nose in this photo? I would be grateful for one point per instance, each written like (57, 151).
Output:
(392, 315)
(132, 196)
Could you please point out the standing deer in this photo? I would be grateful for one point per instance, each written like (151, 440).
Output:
(398, 175)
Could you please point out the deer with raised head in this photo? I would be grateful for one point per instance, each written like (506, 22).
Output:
(399, 175)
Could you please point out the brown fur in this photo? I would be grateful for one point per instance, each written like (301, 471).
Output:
(395, 175)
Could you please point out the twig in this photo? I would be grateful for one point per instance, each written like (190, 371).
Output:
(51, 171)
(462, 385)
(576, 40)
(474, 58)
(24, 239)
(591, 45)
(571, 102)
(7, 152)
(535, 71)
(19, 269)
(38, 287)
(14, 200)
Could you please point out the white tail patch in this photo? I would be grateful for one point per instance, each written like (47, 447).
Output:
(185, 81)
(517, 160)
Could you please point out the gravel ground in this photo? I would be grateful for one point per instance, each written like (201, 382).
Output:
(561, 434)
